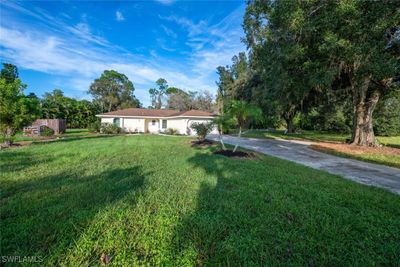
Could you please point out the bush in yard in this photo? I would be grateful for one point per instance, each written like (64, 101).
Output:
(94, 127)
(387, 115)
(171, 131)
(46, 131)
(110, 128)
(16, 109)
(202, 129)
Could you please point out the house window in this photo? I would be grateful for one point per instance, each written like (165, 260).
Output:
(153, 122)
(164, 124)
(116, 121)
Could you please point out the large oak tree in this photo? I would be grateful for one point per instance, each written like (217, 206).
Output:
(114, 91)
(303, 47)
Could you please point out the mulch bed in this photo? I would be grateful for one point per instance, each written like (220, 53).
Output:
(356, 150)
(237, 154)
(205, 143)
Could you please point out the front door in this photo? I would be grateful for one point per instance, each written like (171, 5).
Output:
(153, 126)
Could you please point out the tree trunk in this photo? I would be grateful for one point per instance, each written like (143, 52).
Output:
(8, 137)
(158, 102)
(364, 103)
(289, 124)
(221, 140)
(239, 135)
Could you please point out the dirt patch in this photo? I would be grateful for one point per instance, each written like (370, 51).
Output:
(16, 144)
(356, 150)
(237, 154)
(205, 143)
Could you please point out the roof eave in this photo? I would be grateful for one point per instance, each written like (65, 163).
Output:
(156, 117)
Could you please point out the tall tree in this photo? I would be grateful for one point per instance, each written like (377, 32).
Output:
(16, 110)
(178, 99)
(114, 91)
(311, 48)
(78, 113)
(203, 100)
(243, 113)
(157, 95)
(9, 72)
(225, 84)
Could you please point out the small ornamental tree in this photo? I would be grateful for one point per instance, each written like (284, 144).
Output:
(202, 129)
(223, 122)
(16, 110)
(243, 112)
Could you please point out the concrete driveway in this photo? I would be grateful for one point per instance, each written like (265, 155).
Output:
(300, 152)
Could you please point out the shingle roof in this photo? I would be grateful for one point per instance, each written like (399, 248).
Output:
(142, 112)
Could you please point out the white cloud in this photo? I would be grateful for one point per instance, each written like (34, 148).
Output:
(169, 32)
(119, 16)
(77, 54)
(55, 55)
(212, 45)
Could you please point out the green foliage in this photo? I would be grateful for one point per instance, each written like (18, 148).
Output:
(113, 90)
(224, 123)
(243, 112)
(46, 131)
(95, 126)
(9, 72)
(78, 113)
(179, 99)
(158, 94)
(233, 83)
(16, 110)
(171, 131)
(333, 118)
(110, 128)
(202, 129)
(302, 50)
(387, 115)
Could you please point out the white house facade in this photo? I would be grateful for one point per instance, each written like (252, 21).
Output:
(139, 120)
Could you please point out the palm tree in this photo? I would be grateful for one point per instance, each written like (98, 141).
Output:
(242, 112)
(222, 121)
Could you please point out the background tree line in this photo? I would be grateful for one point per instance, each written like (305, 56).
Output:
(175, 98)
(320, 65)
(111, 91)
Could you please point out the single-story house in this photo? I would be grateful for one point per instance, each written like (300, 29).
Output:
(156, 120)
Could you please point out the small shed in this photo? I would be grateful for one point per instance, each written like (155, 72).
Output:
(57, 125)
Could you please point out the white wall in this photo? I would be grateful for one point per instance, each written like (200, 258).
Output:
(128, 124)
(180, 124)
(107, 120)
(192, 132)
(133, 125)
(183, 125)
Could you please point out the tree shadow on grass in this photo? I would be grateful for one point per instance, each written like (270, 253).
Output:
(48, 214)
(270, 212)
(16, 159)
(74, 138)
(13, 160)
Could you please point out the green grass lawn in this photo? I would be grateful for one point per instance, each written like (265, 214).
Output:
(371, 156)
(69, 133)
(154, 200)
(375, 157)
(307, 135)
(393, 141)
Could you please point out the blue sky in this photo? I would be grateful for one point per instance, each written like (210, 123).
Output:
(67, 44)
